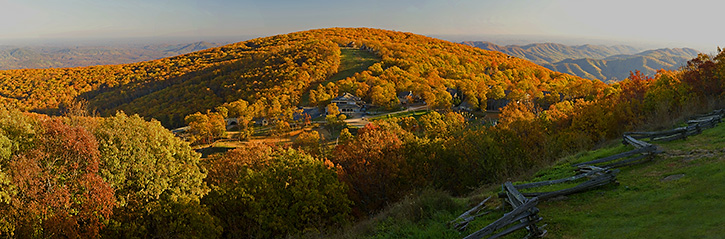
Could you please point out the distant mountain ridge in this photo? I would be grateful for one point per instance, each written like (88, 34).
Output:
(541, 53)
(605, 63)
(36, 57)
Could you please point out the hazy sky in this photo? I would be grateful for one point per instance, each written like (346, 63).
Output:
(691, 23)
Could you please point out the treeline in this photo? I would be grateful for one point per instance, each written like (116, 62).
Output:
(279, 70)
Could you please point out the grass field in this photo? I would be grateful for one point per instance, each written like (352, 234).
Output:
(648, 203)
(352, 61)
(413, 113)
(679, 194)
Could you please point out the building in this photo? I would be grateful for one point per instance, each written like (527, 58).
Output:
(407, 97)
(232, 123)
(349, 104)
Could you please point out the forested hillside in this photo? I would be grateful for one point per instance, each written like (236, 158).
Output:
(273, 73)
(124, 176)
(605, 63)
(33, 57)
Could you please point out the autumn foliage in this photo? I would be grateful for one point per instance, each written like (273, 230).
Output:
(261, 191)
(371, 164)
(87, 177)
(59, 190)
(127, 177)
(274, 74)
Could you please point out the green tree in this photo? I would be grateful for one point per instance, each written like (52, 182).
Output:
(206, 127)
(334, 118)
(309, 142)
(17, 135)
(433, 124)
(149, 168)
(269, 193)
(244, 113)
(345, 136)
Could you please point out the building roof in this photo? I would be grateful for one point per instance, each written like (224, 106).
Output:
(405, 94)
(347, 97)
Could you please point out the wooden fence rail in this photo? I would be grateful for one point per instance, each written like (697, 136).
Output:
(639, 151)
(525, 213)
(606, 177)
(720, 112)
(515, 215)
(461, 222)
(694, 126)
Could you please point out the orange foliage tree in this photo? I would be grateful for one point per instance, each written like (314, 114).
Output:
(59, 192)
(372, 165)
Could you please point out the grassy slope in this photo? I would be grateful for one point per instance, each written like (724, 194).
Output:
(351, 61)
(645, 206)
(641, 206)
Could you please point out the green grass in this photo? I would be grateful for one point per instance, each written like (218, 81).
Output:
(416, 114)
(641, 205)
(644, 206)
(352, 60)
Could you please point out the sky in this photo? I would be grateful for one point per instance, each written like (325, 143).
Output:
(665, 23)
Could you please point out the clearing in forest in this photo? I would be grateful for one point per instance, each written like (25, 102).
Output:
(352, 60)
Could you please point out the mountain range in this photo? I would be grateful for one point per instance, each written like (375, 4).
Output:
(606, 63)
(33, 57)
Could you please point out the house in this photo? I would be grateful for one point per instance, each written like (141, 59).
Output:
(406, 97)
(349, 104)
(312, 112)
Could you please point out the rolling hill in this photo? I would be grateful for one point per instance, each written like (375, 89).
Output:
(606, 63)
(273, 73)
